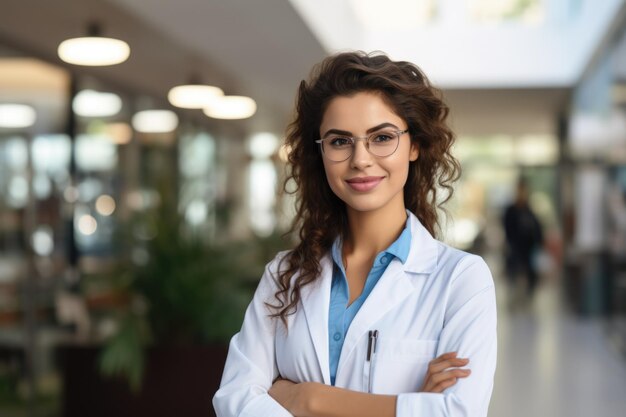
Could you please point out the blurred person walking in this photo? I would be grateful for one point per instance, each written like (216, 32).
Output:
(524, 237)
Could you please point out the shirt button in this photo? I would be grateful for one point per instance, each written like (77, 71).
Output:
(337, 337)
(384, 259)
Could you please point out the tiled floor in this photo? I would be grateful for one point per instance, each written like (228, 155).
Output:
(553, 363)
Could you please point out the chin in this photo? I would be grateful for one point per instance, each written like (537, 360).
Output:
(363, 206)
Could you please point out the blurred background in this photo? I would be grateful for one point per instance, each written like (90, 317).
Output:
(140, 187)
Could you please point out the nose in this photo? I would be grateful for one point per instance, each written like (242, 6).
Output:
(361, 158)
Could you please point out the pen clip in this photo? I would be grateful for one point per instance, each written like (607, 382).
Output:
(371, 344)
(374, 341)
(371, 351)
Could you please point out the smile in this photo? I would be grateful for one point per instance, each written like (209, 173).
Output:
(363, 184)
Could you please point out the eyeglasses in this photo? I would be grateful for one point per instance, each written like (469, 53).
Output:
(382, 143)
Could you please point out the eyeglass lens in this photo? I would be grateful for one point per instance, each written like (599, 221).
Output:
(339, 148)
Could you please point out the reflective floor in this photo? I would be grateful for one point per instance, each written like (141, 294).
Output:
(553, 363)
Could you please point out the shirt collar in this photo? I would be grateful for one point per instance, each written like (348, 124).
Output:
(401, 246)
(336, 253)
(424, 251)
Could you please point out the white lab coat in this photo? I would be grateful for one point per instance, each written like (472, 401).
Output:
(441, 300)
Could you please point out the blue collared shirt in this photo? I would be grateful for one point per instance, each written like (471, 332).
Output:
(340, 314)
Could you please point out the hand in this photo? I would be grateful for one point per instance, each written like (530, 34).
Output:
(294, 397)
(440, 376)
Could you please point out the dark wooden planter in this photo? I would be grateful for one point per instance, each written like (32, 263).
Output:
(179, 381)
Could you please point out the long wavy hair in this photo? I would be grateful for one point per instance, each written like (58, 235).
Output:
(320, 215)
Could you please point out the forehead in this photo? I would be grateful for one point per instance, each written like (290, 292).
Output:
(358, 112)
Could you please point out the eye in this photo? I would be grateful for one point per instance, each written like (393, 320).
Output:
(382, 137)
(340, 141)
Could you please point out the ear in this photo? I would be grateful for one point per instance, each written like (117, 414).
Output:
(414, 152)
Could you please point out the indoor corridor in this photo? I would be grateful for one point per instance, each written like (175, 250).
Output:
(552, 362)
(142, 194)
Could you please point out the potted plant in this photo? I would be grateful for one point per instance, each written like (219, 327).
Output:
(185, 299)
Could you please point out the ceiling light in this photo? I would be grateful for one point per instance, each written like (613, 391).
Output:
(263, 145)
(485, 11)
(90, 103)
(193, 96)
(93, 50)
(231, 107)
(17, 115)
(404, 13)
(155, 121)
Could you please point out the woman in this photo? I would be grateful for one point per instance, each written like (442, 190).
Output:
(369, 315)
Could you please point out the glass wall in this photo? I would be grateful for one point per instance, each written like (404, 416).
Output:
(91, 203)
(491, 167)
(34, 175)
(597, 148)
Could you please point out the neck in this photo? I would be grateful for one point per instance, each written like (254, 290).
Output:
(373, 231)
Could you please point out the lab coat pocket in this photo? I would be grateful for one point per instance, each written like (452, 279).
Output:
(400, 365)
(366, 376)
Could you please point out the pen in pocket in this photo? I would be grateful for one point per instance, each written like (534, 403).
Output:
(371, 355)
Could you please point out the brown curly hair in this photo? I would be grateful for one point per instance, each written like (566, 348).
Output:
(320, 215)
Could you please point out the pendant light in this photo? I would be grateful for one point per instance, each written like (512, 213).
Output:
(93, 50)
(16, 116)
(231, 107)
(194, 95)
(90, 103)
(155, 121)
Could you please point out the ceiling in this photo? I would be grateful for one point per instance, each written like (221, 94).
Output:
(44, 86)
(260, 49)
(257, 48)
(524, 43)
(264, 45)
(512, 111)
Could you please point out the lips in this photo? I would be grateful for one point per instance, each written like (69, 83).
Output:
(364, 183)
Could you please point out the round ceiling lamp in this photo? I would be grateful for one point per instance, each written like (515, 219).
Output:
(155, 121)
(90, 103)
(93, 50)
(231, 107)
(194, 96)
(16, 116)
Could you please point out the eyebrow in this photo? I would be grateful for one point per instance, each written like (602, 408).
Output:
(368, 131)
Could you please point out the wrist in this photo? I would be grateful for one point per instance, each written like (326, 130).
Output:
(308, 396)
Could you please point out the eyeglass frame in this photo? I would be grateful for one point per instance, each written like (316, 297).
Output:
(397, 133)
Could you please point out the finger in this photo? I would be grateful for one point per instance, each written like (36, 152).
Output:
(453, 373)
(444, 361)
(439, 388)
(448, 355)
(439, 369)
(434, 368)
(438, 378)
(446, 379)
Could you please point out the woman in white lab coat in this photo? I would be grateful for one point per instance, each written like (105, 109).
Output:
(368, 315)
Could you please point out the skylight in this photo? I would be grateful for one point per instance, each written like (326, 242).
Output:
(470, 43)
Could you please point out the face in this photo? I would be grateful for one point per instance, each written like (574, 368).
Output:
(365, 182)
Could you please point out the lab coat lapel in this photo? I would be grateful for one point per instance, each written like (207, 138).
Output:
(315, 302)
(393, 287)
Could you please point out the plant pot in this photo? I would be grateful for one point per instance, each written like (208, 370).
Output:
(179, 381)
